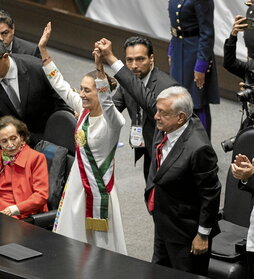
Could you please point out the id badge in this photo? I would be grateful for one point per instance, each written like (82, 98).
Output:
(136, 137)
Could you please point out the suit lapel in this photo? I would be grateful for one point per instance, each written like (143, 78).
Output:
(152, 80)
(5, 101)
(24, 85)
(174, 154)
(151, 85)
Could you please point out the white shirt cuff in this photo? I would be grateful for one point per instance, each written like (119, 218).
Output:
(49, 67)
(203, 230)
(14, 210)
(117, 66)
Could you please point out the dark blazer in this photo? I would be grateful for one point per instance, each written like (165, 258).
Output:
(248, 187)
(25, 47)
(187, 188)
(157, 82)
(231, 63)
(38, 99)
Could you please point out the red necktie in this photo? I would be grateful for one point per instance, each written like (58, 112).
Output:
(159, 147)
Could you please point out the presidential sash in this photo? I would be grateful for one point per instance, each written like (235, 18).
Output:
(97, 181)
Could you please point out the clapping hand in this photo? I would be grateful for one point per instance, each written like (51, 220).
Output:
(242, 168)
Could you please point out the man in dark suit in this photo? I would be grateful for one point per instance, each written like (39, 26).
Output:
(243, 169)
(139, 58)
(35, 98)
(13, 43)
(183, 190)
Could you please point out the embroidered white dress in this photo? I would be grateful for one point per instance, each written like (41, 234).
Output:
(103, 134)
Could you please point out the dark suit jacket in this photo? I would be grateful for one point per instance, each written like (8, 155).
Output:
(248, 187)
(157, 82)
(231, 63)
(38, 99)
(187, 188)
(25, 47)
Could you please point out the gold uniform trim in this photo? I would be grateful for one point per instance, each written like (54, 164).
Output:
(97, 224)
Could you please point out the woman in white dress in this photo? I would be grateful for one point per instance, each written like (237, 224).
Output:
(89, 209)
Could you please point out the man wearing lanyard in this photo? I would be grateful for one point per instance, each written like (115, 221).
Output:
(139, 59)
(183, 189)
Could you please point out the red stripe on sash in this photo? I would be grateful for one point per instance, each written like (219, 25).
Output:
(84, 178)
(111, 181)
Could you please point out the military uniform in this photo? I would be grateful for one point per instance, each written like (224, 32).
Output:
(191, 49)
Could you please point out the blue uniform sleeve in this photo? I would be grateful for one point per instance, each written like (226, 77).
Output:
(204, 13)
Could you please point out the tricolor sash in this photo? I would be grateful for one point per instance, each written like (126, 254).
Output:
(97, 181)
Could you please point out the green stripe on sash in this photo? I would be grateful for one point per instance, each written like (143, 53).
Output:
(99, 172)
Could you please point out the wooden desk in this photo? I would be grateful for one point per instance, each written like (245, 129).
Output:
(67, 258)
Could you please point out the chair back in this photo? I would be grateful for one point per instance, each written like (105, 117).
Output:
(237, 204)
(59, 149)
(60, 129)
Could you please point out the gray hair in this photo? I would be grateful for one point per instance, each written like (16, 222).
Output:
(3, 48)
(182, 101)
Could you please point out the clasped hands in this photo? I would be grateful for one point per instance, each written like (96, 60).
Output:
(242, 168)
(6, 211)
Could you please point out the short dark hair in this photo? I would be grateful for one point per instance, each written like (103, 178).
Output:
(6, 18)
(138, 40)
(112, 81)
(21, 127)
(3, 48)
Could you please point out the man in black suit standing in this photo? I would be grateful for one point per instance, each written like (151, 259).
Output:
(139, 59)
(183, 189)
(25, 91)
(13, 43)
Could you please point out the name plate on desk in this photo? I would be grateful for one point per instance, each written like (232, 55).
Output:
(18, 252)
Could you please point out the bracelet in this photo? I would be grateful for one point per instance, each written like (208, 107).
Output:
(99, 70)
(44, 60)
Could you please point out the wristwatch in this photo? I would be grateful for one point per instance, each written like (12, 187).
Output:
(203, 236)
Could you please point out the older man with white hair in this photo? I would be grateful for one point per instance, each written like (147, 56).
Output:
(183, 189)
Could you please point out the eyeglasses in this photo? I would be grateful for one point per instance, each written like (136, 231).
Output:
(166, 113)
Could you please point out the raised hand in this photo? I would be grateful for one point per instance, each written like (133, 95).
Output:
(98, 61)
(45, 36)
(238, 26)
(105, 47)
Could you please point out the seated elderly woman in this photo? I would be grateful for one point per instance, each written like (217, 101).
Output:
(23, 172)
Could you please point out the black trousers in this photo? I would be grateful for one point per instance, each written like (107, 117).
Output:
(178, 256)
(139, 152)
(250, 265)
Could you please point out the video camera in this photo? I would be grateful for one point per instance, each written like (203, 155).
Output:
(245, 96)
(248, 94)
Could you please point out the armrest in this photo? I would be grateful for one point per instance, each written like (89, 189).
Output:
(43, 220)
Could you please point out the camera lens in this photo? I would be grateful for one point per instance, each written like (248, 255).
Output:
(244, 96)
(227, 145)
